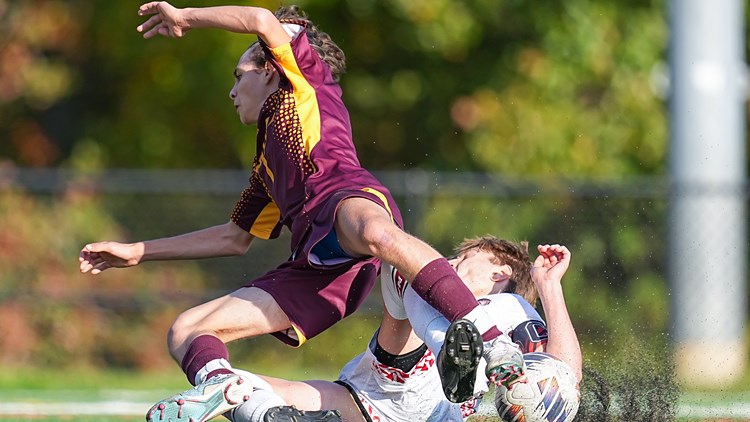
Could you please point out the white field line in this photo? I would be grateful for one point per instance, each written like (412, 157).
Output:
(118, 408)
(729, 410)
(133, 408)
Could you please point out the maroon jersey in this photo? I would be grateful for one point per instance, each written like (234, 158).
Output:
(304, 152)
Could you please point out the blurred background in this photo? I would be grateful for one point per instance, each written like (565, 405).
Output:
(540, 122)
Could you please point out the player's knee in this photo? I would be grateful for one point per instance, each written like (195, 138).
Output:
(380, 237)
(178, 335)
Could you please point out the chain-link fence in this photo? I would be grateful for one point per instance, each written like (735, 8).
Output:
(442, 208)
(616, 289)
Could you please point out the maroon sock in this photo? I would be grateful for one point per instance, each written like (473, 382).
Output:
(439, 285)
(202, 350)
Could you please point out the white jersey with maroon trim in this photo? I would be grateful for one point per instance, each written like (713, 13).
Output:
(507, 310)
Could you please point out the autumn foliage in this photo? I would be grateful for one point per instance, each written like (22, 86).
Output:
(51, 315)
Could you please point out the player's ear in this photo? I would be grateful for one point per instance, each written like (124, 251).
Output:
(269, 73)
(504, 274)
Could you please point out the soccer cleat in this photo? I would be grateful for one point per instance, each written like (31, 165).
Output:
(205, 401)
(291, 414)
(505, 364)
(458, 360)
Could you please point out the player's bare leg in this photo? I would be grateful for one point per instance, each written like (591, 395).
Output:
(244, 313)
(317, 395)
(197, 340)
(364, 228)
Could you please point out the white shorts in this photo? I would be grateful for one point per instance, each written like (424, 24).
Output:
(390, 394)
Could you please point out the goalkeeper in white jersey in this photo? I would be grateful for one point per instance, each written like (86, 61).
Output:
(396, 378)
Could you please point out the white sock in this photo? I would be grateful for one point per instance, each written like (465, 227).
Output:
(429, 324)
(213, 365)
(481, 319)
(257, 382)
(255, 409)
(434, 335)
(261, 400)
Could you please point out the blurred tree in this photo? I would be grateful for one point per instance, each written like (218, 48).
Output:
(38, 45)
(51, 315)
(448, 84)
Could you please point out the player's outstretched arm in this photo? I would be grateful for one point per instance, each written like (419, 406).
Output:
(223, 240)
(169, 21)
(547, 272)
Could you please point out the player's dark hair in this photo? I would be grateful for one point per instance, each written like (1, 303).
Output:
(320, 41)
(513, 254)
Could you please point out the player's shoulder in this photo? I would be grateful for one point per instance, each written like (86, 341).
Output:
(512, 307)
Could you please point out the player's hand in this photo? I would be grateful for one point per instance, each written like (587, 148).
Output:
(166, 20)
(551, 264)
(97, 257)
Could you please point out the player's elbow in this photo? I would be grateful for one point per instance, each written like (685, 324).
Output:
(262, 22)
(241, 244)
(237, 240)
(239, 248)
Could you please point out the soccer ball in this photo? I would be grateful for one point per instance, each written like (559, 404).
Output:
(549, 392)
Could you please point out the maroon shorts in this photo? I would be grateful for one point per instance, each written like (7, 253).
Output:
(316, 295)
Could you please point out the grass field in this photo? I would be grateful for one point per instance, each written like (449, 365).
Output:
(86, 395)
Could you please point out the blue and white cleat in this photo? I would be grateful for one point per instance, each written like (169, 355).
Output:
(212, 398)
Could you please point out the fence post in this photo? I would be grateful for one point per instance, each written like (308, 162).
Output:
(707, 216)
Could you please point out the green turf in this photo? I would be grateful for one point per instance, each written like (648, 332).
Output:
(92, 386)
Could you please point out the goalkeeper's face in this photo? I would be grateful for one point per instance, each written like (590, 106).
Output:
(480, 272)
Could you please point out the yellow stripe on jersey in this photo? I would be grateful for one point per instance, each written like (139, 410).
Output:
(301, 339)
(382, 198)
(304, 96)
(266, 221)
(262, 160)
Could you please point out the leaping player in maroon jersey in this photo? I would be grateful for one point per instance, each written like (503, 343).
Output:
(305, 176)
